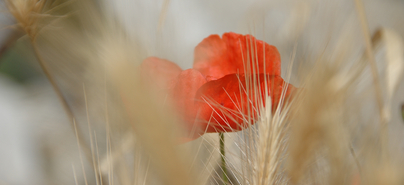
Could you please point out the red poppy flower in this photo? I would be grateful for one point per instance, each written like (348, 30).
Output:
(233, 101)
(230, 78)
(216, 57)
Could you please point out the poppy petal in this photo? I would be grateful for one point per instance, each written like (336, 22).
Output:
(218, 57)
(232, 100)
(183, 97)
(160, 73)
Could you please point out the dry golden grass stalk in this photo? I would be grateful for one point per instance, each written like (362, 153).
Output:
(29, 14)
(370, 57)
(327, 120)
(389, 43)
(152, 124)
(318, 121)
(382, 164)
(33, 16)
(270, 144)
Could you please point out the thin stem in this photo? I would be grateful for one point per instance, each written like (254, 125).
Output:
(222, 156)
(371, 58)
(65, 105)
(377, 87)
(402, 111)
(358, 165)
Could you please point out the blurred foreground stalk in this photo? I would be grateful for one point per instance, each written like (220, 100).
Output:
(30, 16)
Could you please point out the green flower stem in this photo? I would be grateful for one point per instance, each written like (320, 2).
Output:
(402, 111)
(222, 156)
